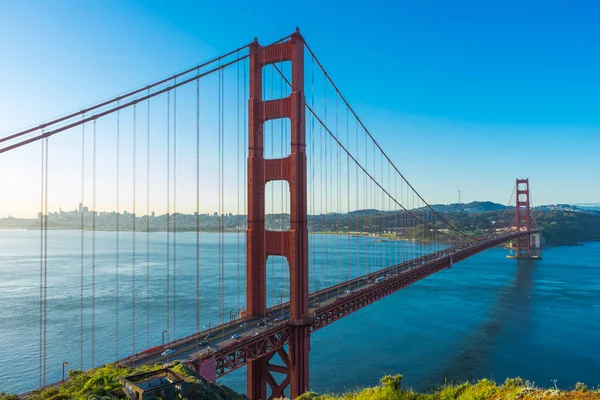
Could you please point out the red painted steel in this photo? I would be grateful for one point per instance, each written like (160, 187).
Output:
(292, 244)
(523, 219)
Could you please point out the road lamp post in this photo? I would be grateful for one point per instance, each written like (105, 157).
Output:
(281, 305)
(163, 337)
(63, 370)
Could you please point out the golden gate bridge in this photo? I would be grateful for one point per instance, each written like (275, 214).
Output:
(259, 127)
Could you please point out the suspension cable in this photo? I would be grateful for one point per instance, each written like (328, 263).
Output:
(197, 210)
(42, 267)
(117, 180)
(46, 267)
(133, 294)
(175, 212)
(124, 96)
(94, 250)
(128, 104)
(148, 227)
(375, 142)
(168, 288)
(81, 304)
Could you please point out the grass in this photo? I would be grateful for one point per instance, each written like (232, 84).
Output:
(99, 382)
(390, 388)
(82, 385)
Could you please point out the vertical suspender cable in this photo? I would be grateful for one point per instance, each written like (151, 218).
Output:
(222, 200)
(326, 197)
(82, 243)
(46, 267)
(168, 300)
(237, 217)
(94, 250)
(42, 267)
(348, 195)
(337, 195)
(197, 208)
(148, 226)
(357, 204)
(312, 162)
(396, 221)
(321, 189)
(117, 239)
(223, 190)
(367, 217)
(133, 293)
(175, 212)
(219, 219)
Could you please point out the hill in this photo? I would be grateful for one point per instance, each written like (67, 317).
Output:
(474, 206)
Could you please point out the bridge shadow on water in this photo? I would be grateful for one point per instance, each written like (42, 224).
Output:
(475, 353)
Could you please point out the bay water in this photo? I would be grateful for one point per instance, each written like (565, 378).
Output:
(487, 317)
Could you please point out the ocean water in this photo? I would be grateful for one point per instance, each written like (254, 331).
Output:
(487, 317)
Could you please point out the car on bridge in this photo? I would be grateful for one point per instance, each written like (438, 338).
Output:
(203, 342)
(167, 352)
(235, 336)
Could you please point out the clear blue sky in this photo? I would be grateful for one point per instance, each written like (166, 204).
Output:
(461, 94)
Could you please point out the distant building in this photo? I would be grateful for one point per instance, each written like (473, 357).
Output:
(152, 214)
(216, 214)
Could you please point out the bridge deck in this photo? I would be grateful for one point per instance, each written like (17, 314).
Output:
(255, 338)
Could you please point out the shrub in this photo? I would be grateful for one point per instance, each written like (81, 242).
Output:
(581, 387)
(393, 382)
(511, 383)
(308, 396)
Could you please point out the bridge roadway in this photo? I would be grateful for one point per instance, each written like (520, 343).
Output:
(234, 343)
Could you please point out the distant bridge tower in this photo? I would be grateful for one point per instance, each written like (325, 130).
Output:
(525, 244)
(292, 244)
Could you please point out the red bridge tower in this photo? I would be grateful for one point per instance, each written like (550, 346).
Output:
(527, 246)
(292, 244)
